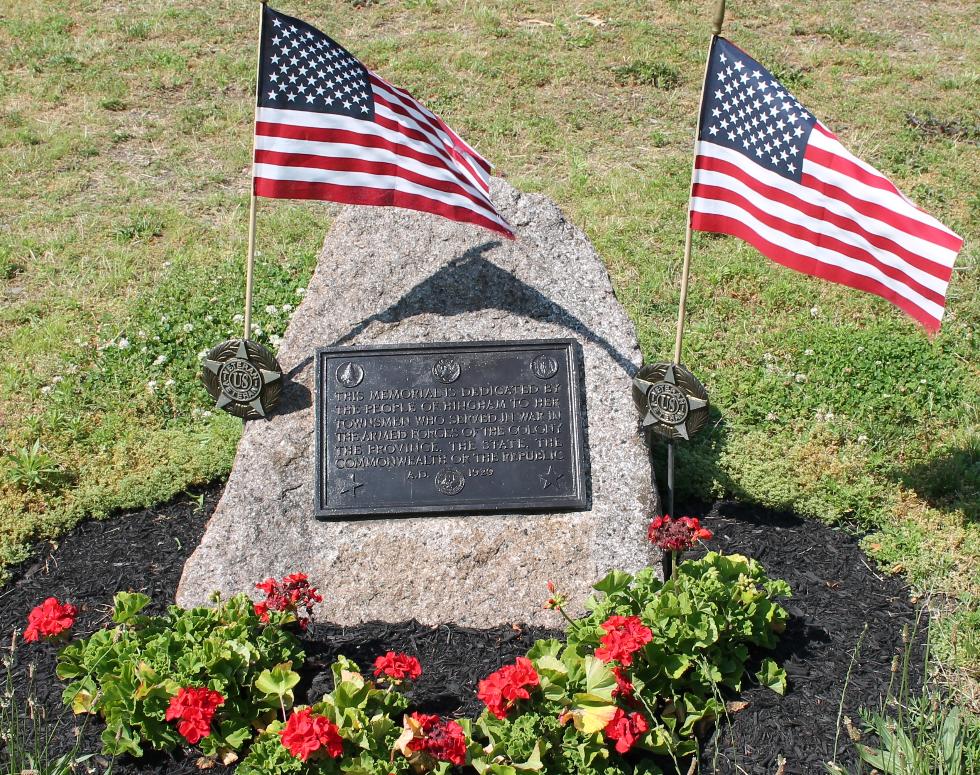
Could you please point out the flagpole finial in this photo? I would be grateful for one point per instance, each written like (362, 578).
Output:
(719, 17)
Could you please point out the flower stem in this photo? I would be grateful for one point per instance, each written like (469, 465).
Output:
(575, 625)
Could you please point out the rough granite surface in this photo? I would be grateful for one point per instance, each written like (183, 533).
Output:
(387, 275)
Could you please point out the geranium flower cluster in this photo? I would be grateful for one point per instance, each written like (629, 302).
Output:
(625, 635)
(397, 667)
(49, 620)
(557, 601)
(290, 594)
(501, 690)
(442, 739)
(626, 728)
(676, 535)
(193, 709)
(305, 735)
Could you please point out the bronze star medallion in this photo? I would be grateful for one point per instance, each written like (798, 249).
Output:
(243, 378)
(673, 402)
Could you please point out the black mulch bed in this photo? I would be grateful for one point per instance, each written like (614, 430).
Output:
(836, 593)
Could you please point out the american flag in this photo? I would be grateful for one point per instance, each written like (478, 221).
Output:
(328, 128)
(767, 171)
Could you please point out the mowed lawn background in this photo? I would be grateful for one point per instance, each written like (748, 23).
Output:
(125, 139)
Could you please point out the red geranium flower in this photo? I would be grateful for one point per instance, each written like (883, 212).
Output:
(502, 689)
(305, 734)
(194, 708)
(442, 739)
(677, 535)
(625, 635)
(290, 594)
(49, 619)
(626, 729)
(624, 687)
(397, 667)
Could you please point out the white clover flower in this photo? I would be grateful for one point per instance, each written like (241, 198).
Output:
(156, 338)
(862, 439)
(141, 334)
(169, 383)
(814, 312)
(800, 377)
(206, 413)
(46, 390)
(271, 309)
(287, 307)
(167, 264)
(151, 386)
(238, 319)
(210, 318)
(772, 416)
(922, 382)
(808, 351)
(160, 360)
(767, 357)
(188, 327)
(275, 340)
(123, 343)
(164, 318)
(301, 291)
(829, 417)
(56, 379)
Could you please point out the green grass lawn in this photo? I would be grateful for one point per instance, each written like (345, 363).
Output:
(125, 138)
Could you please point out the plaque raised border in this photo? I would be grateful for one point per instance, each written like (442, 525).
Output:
(537, 361)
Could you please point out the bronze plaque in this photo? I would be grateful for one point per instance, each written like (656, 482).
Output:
(468, 427)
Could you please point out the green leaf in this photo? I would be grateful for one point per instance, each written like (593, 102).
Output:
(127, 605)
(772, 675)
(599, 679)
(615, 582)
(591, 716)
(544, 648)
(278, 682)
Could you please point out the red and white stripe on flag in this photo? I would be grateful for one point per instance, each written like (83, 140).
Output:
(842, 220)
(328, 128)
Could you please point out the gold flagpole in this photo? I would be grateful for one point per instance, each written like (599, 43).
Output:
(685, 272)
(250, 261)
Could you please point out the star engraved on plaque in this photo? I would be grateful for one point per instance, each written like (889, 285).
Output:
(674, 402)
(550, 477)
(350, 486)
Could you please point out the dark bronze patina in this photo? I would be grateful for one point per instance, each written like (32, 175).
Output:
(243, 378)
(468, 427)
(674, 404)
